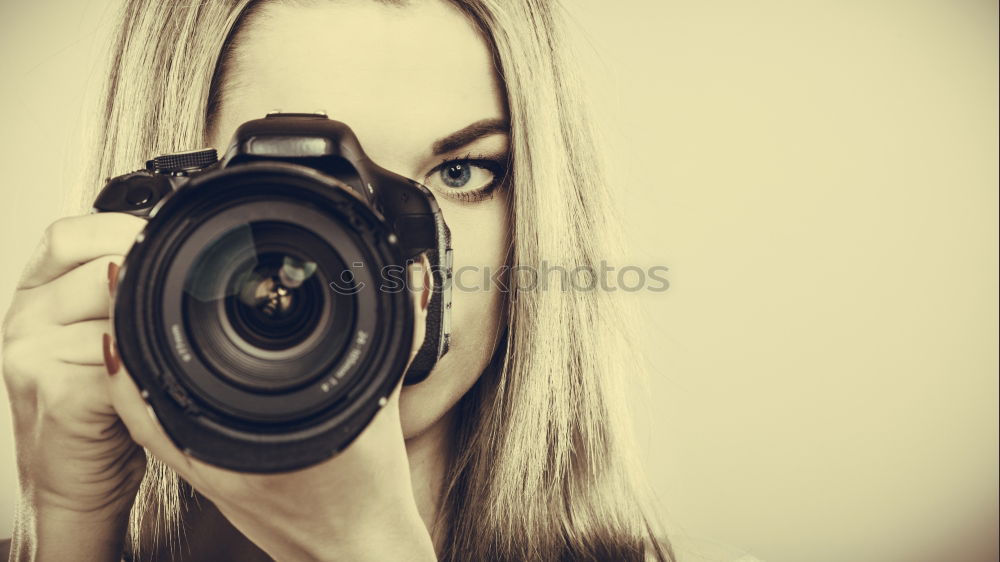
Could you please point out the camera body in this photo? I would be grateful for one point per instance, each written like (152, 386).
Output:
(263, 311)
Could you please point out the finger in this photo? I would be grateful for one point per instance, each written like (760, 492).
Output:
(78, 295)
(142, 424)
(84, 389)
(71, 241)
(79, 343)
(421, 284)
(32, 369)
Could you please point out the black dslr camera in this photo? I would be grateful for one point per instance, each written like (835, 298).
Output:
(263, 311)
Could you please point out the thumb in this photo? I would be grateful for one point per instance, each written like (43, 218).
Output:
(420, 283)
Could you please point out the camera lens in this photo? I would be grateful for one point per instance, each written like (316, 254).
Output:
(256, 303)
(250, 315)
(275, 302)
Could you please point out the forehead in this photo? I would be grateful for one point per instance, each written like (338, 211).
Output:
(400, 76)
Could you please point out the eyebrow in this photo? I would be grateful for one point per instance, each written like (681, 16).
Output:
(470, 133)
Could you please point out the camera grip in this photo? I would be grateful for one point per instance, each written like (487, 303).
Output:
(436, 340)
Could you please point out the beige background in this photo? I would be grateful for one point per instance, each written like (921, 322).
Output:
(821, 179)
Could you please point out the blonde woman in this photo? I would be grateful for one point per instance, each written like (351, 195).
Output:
(514, 449)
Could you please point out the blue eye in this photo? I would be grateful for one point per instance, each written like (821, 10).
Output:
(466, 179)
(456, 174)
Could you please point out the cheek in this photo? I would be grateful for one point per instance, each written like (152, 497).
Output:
(479, 239)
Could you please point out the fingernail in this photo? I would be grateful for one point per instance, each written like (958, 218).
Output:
(112, 277)
(110, 356)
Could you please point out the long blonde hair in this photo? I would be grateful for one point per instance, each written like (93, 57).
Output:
(544, 466)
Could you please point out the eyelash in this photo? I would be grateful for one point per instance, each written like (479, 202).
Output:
(497, 165)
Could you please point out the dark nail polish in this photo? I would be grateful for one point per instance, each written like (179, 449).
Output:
(112, 277)
(110, 356)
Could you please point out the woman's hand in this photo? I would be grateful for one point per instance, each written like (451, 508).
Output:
(356, 506)
(78, 468)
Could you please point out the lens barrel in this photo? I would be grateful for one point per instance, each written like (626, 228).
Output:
(251, 314)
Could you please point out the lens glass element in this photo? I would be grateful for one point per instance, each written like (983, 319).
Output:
(257, 303)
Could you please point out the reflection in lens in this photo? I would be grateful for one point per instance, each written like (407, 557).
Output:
(270, 313)
(294, 272)
(258, 309)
